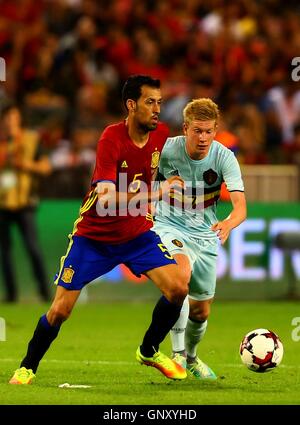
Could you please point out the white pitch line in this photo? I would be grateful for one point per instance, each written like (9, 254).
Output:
(104, 362)
(107, 362)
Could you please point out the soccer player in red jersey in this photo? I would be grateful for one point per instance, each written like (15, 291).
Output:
(114, 228)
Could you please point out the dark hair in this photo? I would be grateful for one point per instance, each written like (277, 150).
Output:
(133, 85)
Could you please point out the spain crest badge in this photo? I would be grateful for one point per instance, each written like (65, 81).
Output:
(68, 274)
(155, 159)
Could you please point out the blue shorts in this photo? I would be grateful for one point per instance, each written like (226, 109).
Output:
(87, 259)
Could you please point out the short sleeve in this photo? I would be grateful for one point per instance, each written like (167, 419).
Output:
(106, 161)
(165, 158)
(232, 173)
(162, 163)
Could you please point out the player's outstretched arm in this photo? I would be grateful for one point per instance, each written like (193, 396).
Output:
(107, 193)
(236, 217)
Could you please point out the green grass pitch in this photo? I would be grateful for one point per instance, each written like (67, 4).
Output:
(97, 345)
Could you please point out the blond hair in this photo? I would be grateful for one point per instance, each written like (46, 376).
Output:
(203, 109)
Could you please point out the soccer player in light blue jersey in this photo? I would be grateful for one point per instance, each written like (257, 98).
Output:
(188, 225)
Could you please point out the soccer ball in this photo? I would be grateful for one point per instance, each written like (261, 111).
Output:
(261, 350)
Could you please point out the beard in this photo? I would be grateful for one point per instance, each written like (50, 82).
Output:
(147, 127)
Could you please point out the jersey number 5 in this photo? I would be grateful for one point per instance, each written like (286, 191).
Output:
(162, 247)
(135, 185)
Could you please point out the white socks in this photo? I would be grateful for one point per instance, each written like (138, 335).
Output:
(193, 335)
(178, 330)
(186, 333)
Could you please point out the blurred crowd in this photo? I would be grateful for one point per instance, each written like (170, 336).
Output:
(66, 61)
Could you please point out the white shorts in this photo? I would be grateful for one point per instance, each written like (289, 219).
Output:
(202, 254)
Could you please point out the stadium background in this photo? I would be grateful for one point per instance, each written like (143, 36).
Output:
(66, 61)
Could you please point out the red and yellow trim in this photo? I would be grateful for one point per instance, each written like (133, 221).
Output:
(92, 196)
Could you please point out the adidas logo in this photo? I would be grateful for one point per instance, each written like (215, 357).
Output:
(124, 164)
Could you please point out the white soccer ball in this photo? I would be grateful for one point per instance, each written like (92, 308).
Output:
(261, 350)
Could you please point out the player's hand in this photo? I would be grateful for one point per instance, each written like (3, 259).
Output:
(152, 208)
(171, 186)
(222, 228)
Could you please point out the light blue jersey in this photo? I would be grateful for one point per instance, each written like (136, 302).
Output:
(188, 231)
(205, 176)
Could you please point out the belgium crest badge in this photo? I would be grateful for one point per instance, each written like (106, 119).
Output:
(210, 176)
(177, 243)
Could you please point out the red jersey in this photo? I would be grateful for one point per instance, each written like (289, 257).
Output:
(116, 153)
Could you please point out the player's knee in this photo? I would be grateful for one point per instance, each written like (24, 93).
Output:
(177, 294)
(200, 316)
(175, 288)
(58, 314)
